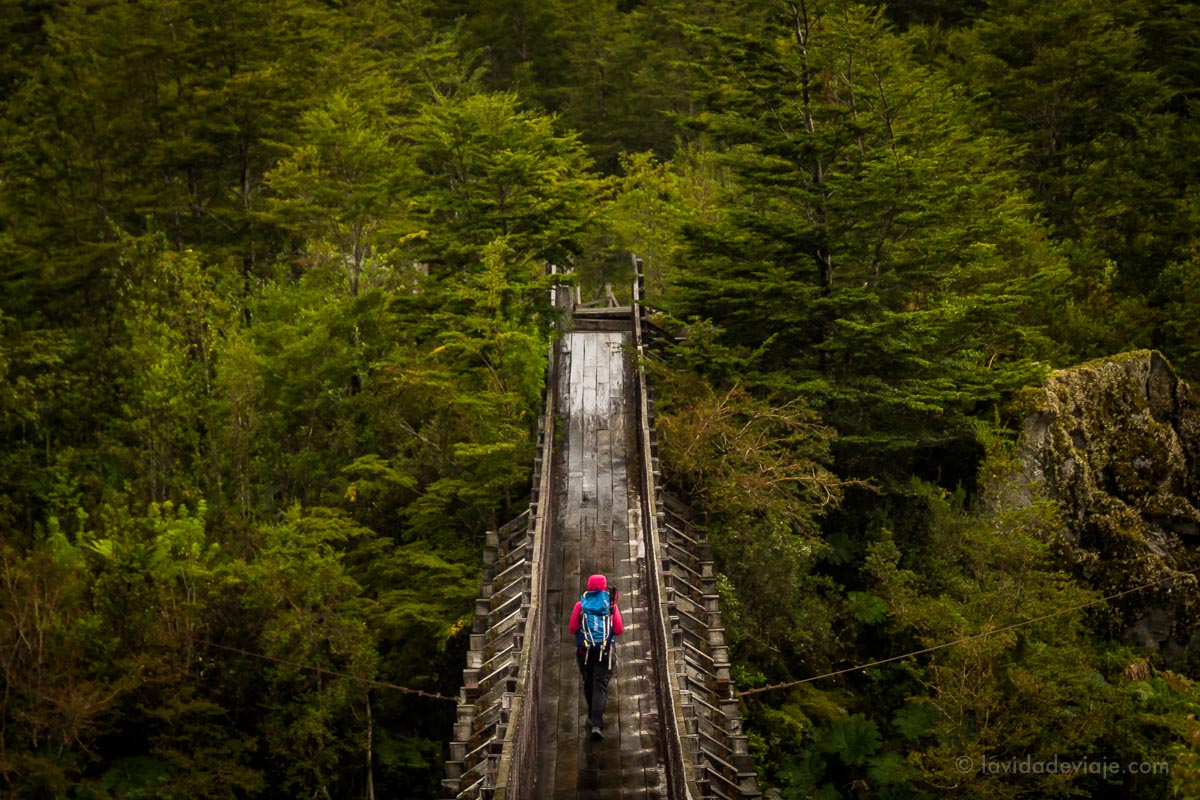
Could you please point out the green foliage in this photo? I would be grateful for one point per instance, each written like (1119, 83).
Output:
(652, 202)
(51, 704)
(998, 693)
(852, 739)
(312, 723)
(1180, 327)
(1093, 93)
(611, 69)
(756, 471)
(914, 719)
(1040, 69)
(273, 328)
(340, 191)
(489, 170)
(230, 387)
(869, 246)
(866, 607)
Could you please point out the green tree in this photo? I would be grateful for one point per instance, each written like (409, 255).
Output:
(341, 191)
(613, 77)
(756, 474)
(465, 390)
(652, 202)
(512, 34)
(992, 697)
(54, 707)
(316, 620)
(1179, 328)
(169, 337)
(869, 246)
(488, 169)
(1024, 678)
(1095, 94)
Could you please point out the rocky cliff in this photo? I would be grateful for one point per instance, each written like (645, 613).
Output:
(1117, 442)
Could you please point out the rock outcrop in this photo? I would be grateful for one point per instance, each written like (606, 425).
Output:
(1117, 442)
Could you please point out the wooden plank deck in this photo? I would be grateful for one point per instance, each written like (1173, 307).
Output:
(597, 529)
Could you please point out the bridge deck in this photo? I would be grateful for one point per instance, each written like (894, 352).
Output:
(597, 530)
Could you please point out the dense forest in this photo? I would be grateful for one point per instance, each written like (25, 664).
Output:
(274, 325)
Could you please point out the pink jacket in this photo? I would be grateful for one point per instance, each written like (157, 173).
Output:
(597, 583)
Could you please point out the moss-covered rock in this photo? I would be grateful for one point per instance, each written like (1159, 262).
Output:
(1117, 442)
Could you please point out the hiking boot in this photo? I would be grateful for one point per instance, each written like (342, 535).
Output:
(597, 734)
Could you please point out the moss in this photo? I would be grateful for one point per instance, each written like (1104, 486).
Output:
(1117, 442)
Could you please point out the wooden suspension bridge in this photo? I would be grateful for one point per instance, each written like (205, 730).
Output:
(673, 730)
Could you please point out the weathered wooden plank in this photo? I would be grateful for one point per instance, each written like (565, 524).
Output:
(557, 736)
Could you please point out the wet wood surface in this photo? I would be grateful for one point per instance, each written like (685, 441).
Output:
(597, 530)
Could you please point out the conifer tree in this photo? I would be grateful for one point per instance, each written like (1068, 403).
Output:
(871, 251)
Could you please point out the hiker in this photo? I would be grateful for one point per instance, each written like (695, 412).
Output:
(596, 621)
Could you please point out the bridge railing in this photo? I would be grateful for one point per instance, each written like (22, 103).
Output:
(517, 771)
(493, 753)
(680, 775)
(696, 673)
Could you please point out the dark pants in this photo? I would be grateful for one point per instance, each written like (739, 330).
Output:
(595, 669)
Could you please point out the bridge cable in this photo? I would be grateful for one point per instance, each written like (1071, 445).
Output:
(743, 692)
(984, 634)
(359, 679)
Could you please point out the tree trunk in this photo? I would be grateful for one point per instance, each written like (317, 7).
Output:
(369, 793)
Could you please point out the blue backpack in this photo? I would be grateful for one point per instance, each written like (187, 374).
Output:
(595, 628)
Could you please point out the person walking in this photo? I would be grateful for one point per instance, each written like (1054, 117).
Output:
(596, 622)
